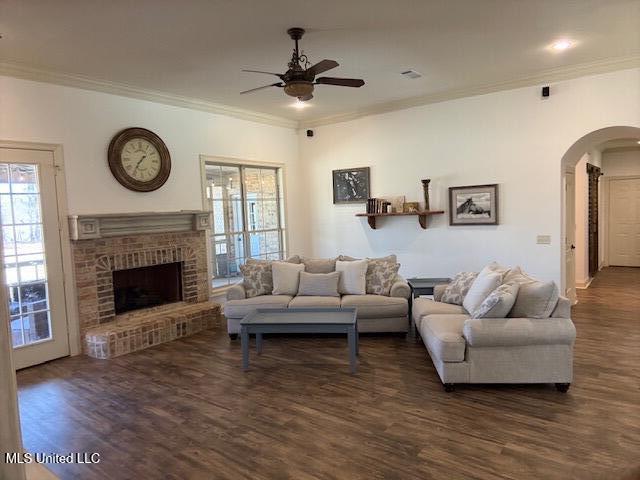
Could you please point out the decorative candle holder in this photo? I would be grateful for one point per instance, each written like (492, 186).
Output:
(425, 187)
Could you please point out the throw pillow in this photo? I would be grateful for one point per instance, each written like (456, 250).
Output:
(286, 277)
(319, 265)
(380, 276)
(499, 302)
(389, 258)
(496, 267)
(458, 288)
(536, 299)
(319, 284)
(257, 278)
(485, 283)
(353, 277)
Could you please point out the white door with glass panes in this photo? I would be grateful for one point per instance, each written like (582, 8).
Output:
(32, 256)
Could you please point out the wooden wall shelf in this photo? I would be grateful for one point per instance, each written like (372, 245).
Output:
(422, 216)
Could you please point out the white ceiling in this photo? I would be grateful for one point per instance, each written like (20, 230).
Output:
(196, 48)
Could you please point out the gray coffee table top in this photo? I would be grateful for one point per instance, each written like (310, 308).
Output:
(325, 316)
(300, 320)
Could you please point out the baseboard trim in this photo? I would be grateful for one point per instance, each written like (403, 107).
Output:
(585, 285)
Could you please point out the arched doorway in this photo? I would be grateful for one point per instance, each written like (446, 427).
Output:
(570, 159)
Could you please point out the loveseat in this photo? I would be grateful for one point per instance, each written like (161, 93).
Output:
(375, 313)
(510, 349)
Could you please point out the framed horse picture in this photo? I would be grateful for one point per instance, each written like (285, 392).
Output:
(473, 205)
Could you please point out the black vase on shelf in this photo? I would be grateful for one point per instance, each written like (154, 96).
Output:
(425, 187)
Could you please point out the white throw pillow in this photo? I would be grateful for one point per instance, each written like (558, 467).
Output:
(496, 267)
(485, 283)
(353, 277)
(286, 277)
(499, 302)
(536, 299)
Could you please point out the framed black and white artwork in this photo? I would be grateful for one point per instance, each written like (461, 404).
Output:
(351, 185)
(473, 205)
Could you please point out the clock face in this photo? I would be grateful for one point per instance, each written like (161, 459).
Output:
(140, 160)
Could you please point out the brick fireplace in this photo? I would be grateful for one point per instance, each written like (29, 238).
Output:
(133, 257)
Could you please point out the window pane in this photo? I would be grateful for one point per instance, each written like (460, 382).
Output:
(14, 300)
(5, 208)
(272, 242)
(29, 239)
(4, 178)
(252, 187)
(224, 181)
(270, 214)
(32, 268)
(8, 241)
(227, 216)
(33, 297)
(219, 221)
(36, 326)
(257, 243)
(268, 181)
(228, 253)
(262, 214)
(260, 183)
(16, 332)
(26, 209)
(24, 179)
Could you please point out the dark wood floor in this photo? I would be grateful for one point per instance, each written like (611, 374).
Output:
(184, 410)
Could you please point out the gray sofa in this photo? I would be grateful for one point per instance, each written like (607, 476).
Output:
(496, 350)
(376, 313)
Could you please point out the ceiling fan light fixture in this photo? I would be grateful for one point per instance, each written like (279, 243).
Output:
(299, 104)
(298, 88)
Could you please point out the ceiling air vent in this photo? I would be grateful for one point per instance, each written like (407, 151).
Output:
(411, 74)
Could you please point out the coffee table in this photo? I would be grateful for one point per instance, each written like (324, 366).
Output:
(299, 320)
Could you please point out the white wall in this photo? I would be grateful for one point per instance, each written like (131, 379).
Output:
(621, 163)
(85, 121)
(512, 138)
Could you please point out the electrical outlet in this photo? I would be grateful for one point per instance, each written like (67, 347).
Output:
(543, 239)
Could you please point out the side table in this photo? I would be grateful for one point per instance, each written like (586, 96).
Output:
(421, 286)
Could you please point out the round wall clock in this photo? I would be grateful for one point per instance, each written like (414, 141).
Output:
(139, 159)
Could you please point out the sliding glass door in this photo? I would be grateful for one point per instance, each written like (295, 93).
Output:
(247, 207)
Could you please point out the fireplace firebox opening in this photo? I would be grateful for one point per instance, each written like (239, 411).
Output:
(145, 287)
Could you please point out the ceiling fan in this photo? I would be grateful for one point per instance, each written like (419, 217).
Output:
(299, 80)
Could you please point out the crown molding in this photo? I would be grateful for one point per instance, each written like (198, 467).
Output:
(121, 89)
(543, 77)
(546, 76)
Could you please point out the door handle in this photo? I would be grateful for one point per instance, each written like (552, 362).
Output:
(573, 247)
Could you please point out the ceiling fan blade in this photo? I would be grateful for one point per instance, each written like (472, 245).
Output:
(306, 97)
(279, 75)
(278, 84)
(322, 66)
(341, 82)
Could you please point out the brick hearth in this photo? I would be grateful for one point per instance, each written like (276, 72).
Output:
(95, 260)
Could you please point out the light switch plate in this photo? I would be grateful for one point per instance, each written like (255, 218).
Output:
(543, 239)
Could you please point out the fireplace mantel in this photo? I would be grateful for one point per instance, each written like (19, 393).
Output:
(87, 227)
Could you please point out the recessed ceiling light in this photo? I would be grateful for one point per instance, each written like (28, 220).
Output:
(638, 142)
(560, 45)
